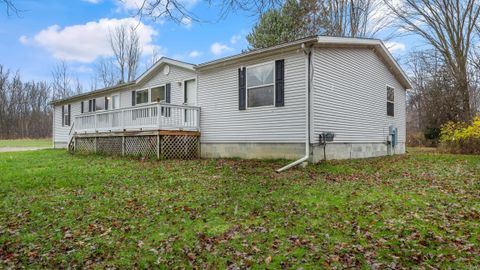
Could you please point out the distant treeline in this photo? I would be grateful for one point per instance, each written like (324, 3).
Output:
(24, 109)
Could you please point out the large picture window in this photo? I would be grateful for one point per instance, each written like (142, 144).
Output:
(141, 96)
(157, 94)
(260, 85)
(99, 104)
(390, 101)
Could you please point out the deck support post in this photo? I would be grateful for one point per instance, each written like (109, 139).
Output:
(123, 146)
(158, 147)
(95, 145)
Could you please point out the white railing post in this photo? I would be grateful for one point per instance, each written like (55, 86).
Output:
(197, 116)
(159, 119)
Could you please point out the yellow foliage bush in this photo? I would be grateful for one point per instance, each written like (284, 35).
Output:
(461, 137)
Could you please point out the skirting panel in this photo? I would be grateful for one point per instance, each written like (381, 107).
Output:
(144, 146)
(152, 146)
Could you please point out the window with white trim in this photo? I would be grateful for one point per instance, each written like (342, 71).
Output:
(100, 104)
(66, 115)
(157, 94)
(141, 96)
(260, 85)
(115, 102)
(390, 101)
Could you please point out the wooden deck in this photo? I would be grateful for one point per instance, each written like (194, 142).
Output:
(161, 131)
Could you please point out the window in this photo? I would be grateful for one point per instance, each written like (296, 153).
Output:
(66, 115)
(260, 86)
(90, 105)
(115, 102)
(99, 104)
(390, 101)
(157, 94)
(141, 96)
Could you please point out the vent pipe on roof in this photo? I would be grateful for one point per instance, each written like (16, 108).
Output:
(308, 53)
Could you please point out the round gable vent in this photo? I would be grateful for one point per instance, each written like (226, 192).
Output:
(166, 69)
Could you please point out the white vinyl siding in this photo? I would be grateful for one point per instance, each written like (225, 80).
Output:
(60, 133)
(177, 74)
(349, 96)
(222, 121)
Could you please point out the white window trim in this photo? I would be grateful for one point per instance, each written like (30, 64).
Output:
(150, 93)
(148, 96)
(96, 101)
(65, 113)
(393, 102)
(196, 89)
(258, 86)
(110, 101)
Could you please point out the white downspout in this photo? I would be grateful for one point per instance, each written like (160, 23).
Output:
(308, 53)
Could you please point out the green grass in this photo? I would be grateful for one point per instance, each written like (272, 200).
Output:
(421, 210)
(47, 142)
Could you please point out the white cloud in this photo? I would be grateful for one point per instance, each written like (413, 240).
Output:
(186, 22)
(219, 48)
(194, 54)
(394, 46)
(86, 42)
(92, 1)
(235, 38)
(24, 40)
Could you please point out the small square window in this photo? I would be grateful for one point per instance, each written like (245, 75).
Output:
(99, 104)
(142, 96)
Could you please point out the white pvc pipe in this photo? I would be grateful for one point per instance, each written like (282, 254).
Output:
(307, 117)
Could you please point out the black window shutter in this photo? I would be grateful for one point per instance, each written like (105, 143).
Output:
(63, 115)
(167, 93)
(81, 107)
(280, 83)
(89, 105)
(69, 115)
(106, 103)
(242, 90)
(94, 104)
(134, 96)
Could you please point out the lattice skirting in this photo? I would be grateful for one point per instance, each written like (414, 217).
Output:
(164, 146)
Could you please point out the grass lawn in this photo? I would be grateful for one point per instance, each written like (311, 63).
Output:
(417, 210)
(26, 143)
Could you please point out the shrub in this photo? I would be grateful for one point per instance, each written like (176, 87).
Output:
(461, 137)
(417, 139)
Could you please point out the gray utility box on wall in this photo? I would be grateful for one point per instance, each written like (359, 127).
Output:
(325, 137)
(393, 134)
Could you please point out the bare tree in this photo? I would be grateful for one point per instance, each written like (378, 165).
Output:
(118, 42)
(24, 109)
(352, 18)
(105, 73)
(133, 53)
(448, 26)
(125, 44)
(176, 10)
(61, 81)
(64, 83)
(10, 7)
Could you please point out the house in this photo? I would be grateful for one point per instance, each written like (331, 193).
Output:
(314, 98)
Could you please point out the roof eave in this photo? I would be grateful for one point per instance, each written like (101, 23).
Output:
(92, 93)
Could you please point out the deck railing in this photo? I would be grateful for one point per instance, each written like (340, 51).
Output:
(144, 117)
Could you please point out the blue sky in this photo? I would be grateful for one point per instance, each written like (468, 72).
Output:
(49, 31)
